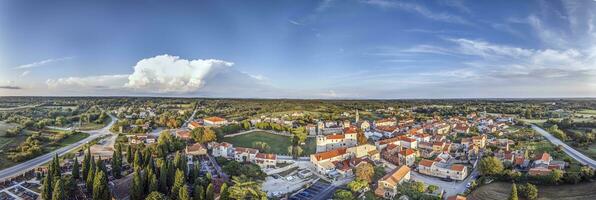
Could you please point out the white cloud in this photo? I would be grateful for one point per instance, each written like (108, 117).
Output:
(25, 73)
(166, 73)
(88, 82)
(419, 9)
(41, 63)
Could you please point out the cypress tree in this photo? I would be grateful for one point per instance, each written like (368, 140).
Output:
(513, 192)
(100, 187)
(85, 167)
(183, 193)
(199, 192)
(91, 175)
(224, 194)
(58, 192)
(138, 160)
(179, 181)
(153, 184)
(75, 168)
(117, 162)
(100, 165)
(209, 194)
(178, 160)
(129, 155)
(46, 191)
(55, 166)
(163, 178)
(137, 187)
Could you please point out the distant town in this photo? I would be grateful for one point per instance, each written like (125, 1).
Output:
(190, 148)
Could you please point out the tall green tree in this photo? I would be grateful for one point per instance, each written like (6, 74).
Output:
(199, 192)
(224, 194)
(209, 193)
(101, 191)
(46, 190)
(490, 166)
(55, 166)
(513, 195)
(58, 192)
(129, 155)
(183, 193)
(163, 177)
(179, 181)
(138, 160)
(86, 164)
(75, 168)
(136, 192)
(91, 175)
(117, 162)
(153, 183)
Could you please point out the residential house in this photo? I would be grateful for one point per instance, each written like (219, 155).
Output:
(196, 149)
(265, 160)
(242, 154)
(407, 157)
(183, 134)
(215, 121)
(223, 149)
(443, 170)
(194, 124)
(330, 142)
(387, 185)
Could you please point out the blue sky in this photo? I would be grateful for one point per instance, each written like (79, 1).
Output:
(299, 49)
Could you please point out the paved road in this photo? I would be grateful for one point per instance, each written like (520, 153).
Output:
(40, 160)
(570, 151)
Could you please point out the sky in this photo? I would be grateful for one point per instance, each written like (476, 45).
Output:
(331, 49)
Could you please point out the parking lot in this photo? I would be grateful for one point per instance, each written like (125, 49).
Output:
(277, 185)
(316, 191)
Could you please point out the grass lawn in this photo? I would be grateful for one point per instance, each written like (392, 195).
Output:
(589, 151)
(94, 126)
(5, 145)
(279, 144)
(589, 112)
(500, 190)
(12, 142)
(4, 127)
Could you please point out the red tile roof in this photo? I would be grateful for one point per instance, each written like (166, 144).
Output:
(407, 152)
(458, 167)
(267, 156)
(394, 177)
(426, 163)
(330, 154)
(246, 150)
(214, 119)
(544, 157)
(335, 137)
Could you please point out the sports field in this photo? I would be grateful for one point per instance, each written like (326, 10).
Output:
(279, 144)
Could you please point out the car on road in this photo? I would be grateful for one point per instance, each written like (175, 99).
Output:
(468, 185)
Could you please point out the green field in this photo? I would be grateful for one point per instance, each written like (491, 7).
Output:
(13, 142)
(94, 126)
(279, 144)
(4, 127)
(500, 190)
(589, 112)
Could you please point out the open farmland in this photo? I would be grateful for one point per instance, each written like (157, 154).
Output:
(500, 190)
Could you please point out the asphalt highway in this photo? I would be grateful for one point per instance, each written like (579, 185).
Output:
(40, 160)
